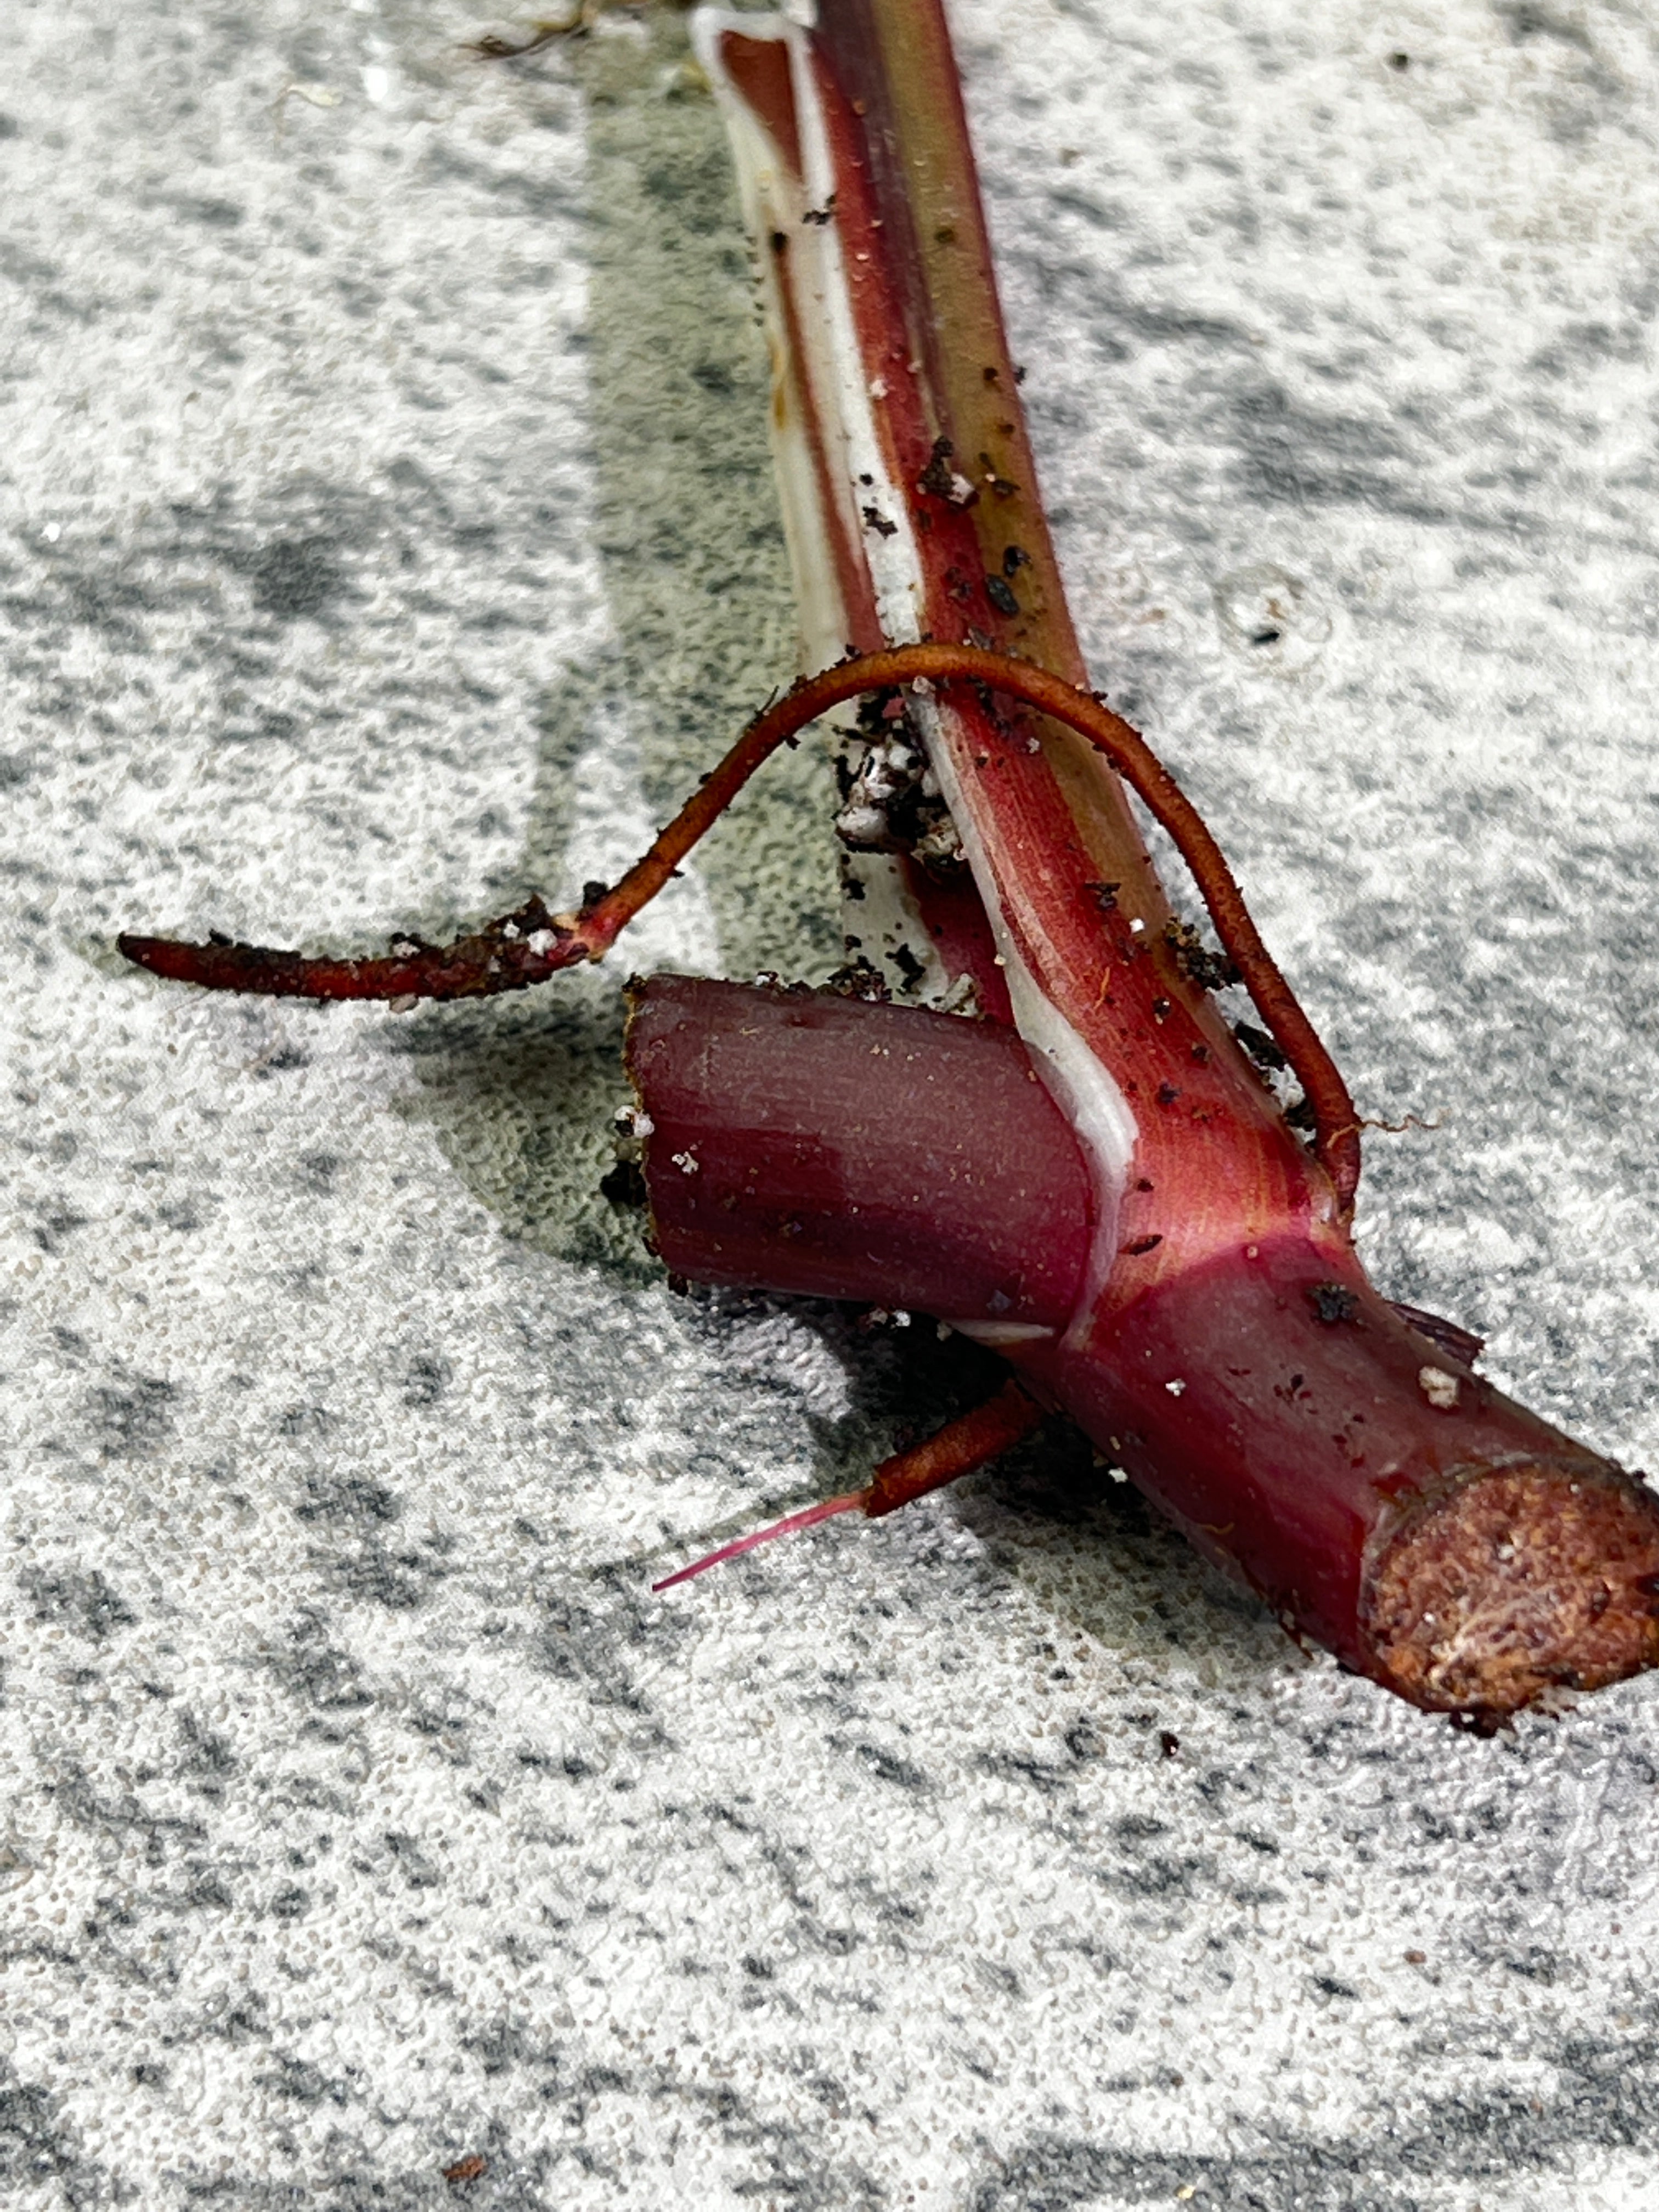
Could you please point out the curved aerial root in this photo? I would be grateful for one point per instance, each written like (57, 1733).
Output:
(531, 945)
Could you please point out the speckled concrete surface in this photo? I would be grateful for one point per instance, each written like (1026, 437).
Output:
(384, 531)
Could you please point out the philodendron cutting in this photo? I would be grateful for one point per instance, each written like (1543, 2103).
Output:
(1021, 1111)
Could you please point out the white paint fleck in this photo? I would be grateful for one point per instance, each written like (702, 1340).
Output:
(1003, 1332)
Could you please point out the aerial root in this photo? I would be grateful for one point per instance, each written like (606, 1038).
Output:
(958, 1447)
(531, 945)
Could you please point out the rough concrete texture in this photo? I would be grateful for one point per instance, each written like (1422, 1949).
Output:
(385, 530)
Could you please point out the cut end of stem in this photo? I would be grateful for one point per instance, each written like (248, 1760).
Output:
(1522, 1581)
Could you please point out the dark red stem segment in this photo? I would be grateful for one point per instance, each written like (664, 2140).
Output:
(960, 1446)
(521, 948)
(880, 1153)
(506, 957)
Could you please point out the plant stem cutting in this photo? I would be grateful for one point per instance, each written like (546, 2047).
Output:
(1022, 1111)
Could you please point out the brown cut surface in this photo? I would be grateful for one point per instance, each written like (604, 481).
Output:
(1520, 1581)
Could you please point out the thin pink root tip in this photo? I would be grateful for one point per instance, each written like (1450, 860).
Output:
(825, 1509)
